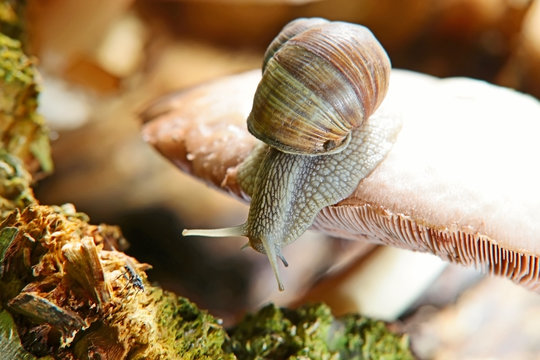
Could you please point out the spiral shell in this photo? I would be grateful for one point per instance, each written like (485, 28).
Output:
(320, 80)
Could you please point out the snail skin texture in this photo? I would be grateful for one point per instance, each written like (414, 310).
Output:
(312, 109)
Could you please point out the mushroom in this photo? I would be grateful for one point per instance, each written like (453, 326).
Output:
(460, 181)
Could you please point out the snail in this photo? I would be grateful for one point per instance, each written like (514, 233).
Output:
(322, 81)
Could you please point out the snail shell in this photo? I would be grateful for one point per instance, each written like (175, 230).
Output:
(320, 80)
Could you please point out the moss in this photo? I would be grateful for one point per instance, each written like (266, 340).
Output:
(274, 333)
(356, 337)
(193, 333)
(63, 280)
(311, 332)
(22, 130)
(11, 17)
(15, 190)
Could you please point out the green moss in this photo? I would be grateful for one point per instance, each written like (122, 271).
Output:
(22, 129)
(356, 337)
(311, 332)
(274, 333)
(11, 17)
(16, 72)
(192, 333)
(15, 190)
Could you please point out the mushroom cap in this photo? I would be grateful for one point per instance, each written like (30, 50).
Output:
(460, 182)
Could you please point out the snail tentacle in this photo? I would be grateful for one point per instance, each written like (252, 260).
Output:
(232, 231)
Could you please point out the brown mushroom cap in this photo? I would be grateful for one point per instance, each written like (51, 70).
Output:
(460, 182)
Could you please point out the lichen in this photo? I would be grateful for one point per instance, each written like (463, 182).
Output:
(311, 332)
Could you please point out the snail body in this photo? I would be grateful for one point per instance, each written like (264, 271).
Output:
(321, 83)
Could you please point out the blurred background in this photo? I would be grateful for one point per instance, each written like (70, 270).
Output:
(103, 61)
